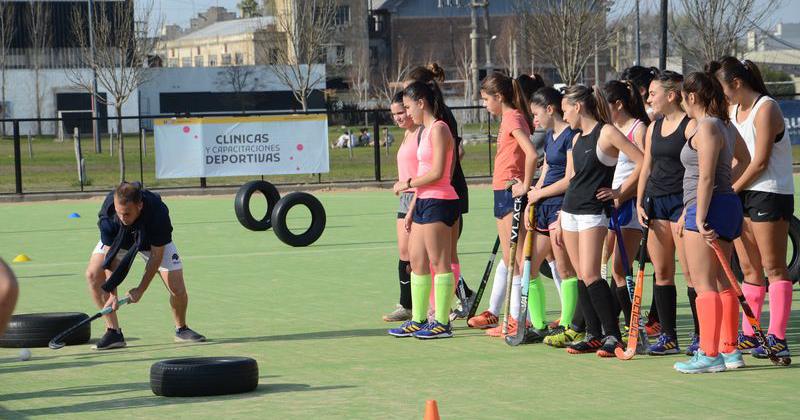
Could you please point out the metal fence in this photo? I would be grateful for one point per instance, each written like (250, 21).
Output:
(68, 160)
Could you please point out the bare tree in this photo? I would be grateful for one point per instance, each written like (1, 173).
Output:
(565, 31)
(464, 73)
(39, 26)
(392, 76)
(709, 29)
(238, 79)
(360, 82)
(124, 38)
(303, 29)
(6, 35)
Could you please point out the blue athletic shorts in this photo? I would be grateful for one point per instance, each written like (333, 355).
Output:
(546, 215)
(504, 203)
(724, 216)
(433, 210)
(626, 215)
(665, 207)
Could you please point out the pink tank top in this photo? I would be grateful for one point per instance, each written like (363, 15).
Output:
(407, 162)
(440, 189)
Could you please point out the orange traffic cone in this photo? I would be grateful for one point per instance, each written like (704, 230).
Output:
(431, 410)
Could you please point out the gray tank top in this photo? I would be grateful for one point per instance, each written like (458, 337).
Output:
(722, 174)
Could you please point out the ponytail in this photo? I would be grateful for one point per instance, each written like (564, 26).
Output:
(520, 103)
(548, 96)
(591, 99)
(729, 69)
(511, 92)
(709, 93)
(428, 92)
(628, 94)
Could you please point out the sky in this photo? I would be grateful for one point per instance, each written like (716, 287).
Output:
(180, 11)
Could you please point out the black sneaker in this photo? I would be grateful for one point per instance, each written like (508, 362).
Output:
(610, 344)
(589, 344)
(187, 335)
(532, 336)
(112, 339)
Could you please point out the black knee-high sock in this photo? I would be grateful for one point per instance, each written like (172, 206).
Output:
(653, 314)
(624, 300)
(666, 301)
(404, 274)
(578, 322)
(615, 304)
(593, 326)
(602, 301)
(693, 304)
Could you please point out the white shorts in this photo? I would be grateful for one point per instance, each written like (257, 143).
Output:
(171, 261)
(580, 222)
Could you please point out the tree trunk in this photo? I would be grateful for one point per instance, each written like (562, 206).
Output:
(120, 143)
(38, 102)
(3, 96)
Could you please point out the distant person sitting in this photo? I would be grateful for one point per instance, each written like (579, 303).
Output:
(388, 138)
(342, 141)
(364, 139)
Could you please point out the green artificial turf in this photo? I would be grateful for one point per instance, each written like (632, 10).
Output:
(311, 318)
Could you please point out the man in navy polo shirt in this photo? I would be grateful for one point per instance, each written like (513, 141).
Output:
(134, 221)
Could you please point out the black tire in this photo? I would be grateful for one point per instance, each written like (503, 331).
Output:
(793, 267)
(317, 219)
(241, 204)
(202, 376)
(36, 330)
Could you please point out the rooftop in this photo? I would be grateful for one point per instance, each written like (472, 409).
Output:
(229, 28)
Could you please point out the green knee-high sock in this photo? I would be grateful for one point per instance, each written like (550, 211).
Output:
(443, 284)
(569, 300)
(420, 289)
(536, 303)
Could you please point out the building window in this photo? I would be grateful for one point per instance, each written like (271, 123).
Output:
(226, 59)
(198, 61)
(225, 48)
(374, 55)
(198, 51)
(274, 55)
(340, 55)
(212, 60)
(186, 62)
(172, 62)
(172, 52)
(342, 16)
(239, 59)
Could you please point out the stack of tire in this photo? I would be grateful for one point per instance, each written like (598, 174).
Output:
(36, 330)
(277, 210)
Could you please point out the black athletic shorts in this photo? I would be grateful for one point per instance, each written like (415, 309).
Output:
(762, 206)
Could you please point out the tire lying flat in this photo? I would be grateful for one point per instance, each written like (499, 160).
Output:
(203, 376)
(36, 330)
(241, 204)
(281, 210)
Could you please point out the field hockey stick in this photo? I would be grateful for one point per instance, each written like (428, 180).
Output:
(476, 297)
(512, 261)
(58, 341)
(636, 304)
(748, 312)
(527, 250)
(629, 283)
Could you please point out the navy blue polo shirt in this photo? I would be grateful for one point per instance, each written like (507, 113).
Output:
(153, 222)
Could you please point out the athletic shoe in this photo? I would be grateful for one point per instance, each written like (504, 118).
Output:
(746, 343)
(733, 360)
(483, 320)
(554, 324)
(652, 327)
(533, 336)
(434, 330)
(589, 344)
(700, 363)
(399, 314)
(187, 335)
(610, 344)
(512, 328)
(694, 344)
(664, 345)
(112, 339)
(407, 329)
(561, 337)
(779, 348)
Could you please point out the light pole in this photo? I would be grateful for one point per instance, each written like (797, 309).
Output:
(638, 40)
(98, 146)
(662, 57)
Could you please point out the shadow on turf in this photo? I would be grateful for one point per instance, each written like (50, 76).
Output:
(317, 335)
(47, 275)
(33, 367)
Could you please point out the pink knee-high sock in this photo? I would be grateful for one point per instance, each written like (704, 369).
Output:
(780, 307)
(457, 274)
(755, 298)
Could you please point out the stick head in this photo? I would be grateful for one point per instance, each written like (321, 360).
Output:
(783, 361)
(624, 354)
(55, 346)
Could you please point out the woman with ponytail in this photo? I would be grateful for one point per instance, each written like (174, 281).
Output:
(766, 189)
(435, 212)
(713, 156)
(515, 162)
(583, 221)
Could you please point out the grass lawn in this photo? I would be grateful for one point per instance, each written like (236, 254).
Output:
(311, 318)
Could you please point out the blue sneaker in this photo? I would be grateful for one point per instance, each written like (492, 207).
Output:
(733, 360)
(664, 345)
(694, 344)
(778, 347)
(407, 329)
(700, 363)
(434, 330)
(746, 343)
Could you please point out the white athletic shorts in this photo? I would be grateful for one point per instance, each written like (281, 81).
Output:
(580, 222)
(170, 262)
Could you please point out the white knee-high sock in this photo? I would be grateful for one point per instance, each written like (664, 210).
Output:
(556, 277)
(516, 296)
(498, 288)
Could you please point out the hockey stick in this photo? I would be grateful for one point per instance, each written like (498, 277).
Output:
(636, 304)
(58, 341)
(748, 312)
(643, 343)
(512, 261)
(475, 300)
(522, 318)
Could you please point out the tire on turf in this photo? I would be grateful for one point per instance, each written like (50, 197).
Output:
(36, 330)
(281, 210)
(202, 376)
(241, 204)
(793, 266)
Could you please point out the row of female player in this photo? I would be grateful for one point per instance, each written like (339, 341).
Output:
(706, 163)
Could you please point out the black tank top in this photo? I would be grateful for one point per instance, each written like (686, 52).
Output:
(666, 175)
(590, 175)
(457, 180)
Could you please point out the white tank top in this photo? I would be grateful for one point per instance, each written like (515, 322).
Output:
(625, 165)
(777, 178)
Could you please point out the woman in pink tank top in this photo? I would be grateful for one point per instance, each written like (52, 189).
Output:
(435, 211)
